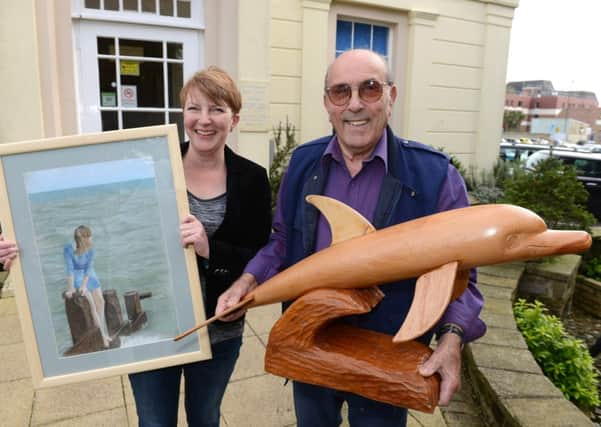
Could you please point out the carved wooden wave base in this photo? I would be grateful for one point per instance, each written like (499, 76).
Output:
(308, 344)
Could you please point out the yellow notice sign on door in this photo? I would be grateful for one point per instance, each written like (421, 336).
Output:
(130, 68)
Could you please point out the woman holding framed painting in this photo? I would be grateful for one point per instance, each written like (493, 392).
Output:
(230, 220)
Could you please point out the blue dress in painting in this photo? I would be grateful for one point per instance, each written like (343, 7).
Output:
(79, 266)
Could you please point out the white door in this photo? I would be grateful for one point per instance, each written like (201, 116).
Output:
(130, 75)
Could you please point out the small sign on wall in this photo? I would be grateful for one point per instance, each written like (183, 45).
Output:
(129, 96)
(108, 99)
(130, 68)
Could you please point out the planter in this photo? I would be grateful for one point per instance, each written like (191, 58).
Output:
(552, 282)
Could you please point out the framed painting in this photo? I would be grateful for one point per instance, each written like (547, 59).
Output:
(102, 283)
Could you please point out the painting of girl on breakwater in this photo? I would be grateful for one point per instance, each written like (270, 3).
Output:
(118, 200)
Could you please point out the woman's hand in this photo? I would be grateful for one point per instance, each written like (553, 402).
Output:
(8, 252)
(193, 232)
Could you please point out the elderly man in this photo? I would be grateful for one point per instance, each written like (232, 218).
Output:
(388, 180)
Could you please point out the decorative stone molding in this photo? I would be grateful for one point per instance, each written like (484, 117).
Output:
(422, 17)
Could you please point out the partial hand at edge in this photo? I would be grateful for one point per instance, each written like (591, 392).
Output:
(446, 360)
(238, 290)
(8, 252)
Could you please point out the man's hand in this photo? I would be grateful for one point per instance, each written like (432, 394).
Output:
(193, 232)
(233, 295)
(446, 360)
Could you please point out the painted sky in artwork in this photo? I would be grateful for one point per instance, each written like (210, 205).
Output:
(89, 174)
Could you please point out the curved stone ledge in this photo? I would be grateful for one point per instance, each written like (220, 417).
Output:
(510, 385)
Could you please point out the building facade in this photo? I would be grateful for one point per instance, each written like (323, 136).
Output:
(573, 116)
(79, 66)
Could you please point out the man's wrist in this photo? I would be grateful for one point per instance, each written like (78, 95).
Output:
(450, 328)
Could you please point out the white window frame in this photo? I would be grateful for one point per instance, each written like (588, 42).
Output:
(87, 64)
(196, 20)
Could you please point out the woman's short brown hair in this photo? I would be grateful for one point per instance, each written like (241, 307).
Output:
(217, 85)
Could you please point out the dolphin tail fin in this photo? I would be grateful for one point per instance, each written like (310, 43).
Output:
(433, 292)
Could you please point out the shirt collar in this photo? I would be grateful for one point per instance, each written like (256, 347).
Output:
(333, 151)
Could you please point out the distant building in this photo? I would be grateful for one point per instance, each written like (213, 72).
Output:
(538, 99)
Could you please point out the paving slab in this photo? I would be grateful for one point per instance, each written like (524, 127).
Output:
(497, 320)
(421, 419)
(17, 397)
(251, 361)
(498, 292)
(111, 418)
(492, 356)
(261, 319)
(463, 420)
(10, 333)
(261, 401)
(13, 363)
(508, 283)
(546, 412)
(513, 270)
(76, 400)
(7, 306)
(503, 337)
(509, 384)
(498, 306)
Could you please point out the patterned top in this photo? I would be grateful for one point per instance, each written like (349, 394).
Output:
(210, 213)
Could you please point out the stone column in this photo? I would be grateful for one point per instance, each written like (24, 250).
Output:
(419, 66)
(314, 120)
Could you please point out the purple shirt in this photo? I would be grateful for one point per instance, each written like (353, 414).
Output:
(361, 193)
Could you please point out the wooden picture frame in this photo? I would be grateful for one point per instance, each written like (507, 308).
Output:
(127, 187)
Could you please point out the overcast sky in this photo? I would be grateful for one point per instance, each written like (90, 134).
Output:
(557, 40)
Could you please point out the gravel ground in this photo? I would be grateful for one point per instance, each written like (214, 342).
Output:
(587, 328)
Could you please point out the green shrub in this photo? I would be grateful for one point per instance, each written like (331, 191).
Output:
(284, 141)
(591, 268)
(553, 191)
(564, 360)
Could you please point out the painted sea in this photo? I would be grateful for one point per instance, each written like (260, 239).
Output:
(125, 221)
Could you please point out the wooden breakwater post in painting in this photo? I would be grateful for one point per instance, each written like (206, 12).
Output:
(137, 317)
(86, 336)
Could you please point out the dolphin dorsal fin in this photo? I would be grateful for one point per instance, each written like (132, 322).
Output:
(345, 222)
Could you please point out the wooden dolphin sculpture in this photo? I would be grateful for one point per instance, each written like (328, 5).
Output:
(438, 249)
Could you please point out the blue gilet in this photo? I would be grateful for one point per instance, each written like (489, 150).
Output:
(410, 190)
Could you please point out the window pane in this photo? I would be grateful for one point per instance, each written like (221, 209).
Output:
(183, 9)
(178, 119)
(130, 5)
(149, 85)
(92, 4)
(343, 35)
(175, 51)
(380, 44)
(108, 82)
(136, 119)
(149, 6)
(362, 39)
(111, 4)
(106, 46)
(141, 48)
(166, 7)
(176, 81)
(109, 120)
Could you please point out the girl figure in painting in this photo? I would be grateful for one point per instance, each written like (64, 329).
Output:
(81, 277)
(230, 221)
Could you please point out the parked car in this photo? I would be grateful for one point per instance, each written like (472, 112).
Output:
(518, 152)
(588, 169)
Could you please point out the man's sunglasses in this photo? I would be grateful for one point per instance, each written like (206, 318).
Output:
(369, 91)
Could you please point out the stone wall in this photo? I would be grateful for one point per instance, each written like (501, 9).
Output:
(510, 385)
(552, 282)
(587, 295)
